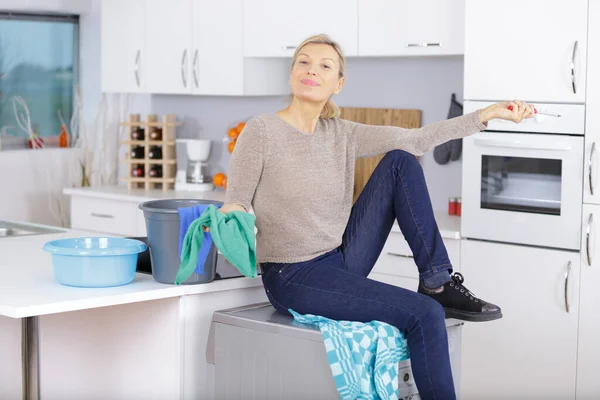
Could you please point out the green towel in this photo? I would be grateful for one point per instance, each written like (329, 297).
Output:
(232, 234)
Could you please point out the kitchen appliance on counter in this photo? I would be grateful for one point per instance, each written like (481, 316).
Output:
(522, 183)
(197, 175)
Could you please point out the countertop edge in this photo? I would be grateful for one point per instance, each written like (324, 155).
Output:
(129, 298)
(132, 198)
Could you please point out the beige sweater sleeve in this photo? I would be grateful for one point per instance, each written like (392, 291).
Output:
(373, 140)
(246, 164)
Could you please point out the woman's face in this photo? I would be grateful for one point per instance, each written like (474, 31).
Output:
(315, 74)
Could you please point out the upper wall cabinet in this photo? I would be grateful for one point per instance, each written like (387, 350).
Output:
(531, 50)
(243, 47)
(123, 55)
(169, 47)
(201, 53)
(274, 28)
(410, 28)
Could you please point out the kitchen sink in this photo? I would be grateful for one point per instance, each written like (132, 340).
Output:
(10, 229)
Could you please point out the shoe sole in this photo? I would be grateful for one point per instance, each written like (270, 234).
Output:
(472, 316)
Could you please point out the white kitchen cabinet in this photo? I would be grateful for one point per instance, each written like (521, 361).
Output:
(396, 257)
(200, 54)
(123, 57)
(588, 384)
(168, 46)
(107, 216)
(532, 351)
(400, 281)
(525, 49)
(217, 54)
(10, 354)
(143, 350)
(591, 192)
(410, 28)
(274, 28)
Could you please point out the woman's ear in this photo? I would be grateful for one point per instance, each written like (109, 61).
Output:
(340, 85)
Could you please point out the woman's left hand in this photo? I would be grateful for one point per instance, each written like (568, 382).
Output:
(515, 111)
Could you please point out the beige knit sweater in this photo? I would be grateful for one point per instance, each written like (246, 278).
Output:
(300, 184)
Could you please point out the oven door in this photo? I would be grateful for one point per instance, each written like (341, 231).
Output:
(523, 188)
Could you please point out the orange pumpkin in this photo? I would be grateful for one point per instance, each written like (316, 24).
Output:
(232, 133)
(218, 179)
(231, 146)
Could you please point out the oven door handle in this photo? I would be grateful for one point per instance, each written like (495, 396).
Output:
(513, 143)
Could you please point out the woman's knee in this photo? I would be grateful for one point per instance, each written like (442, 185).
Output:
(400, 157)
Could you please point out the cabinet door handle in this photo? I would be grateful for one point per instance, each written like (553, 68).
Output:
(567, 273)
(424, 44)
(588, 233)
(98, 215)
(137, 68)
(194, 66)
(288, 47)
(183, 63)
(399, 255)
(590, 167)
(573, 66)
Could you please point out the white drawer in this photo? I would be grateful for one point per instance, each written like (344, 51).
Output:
(396, 258)
(105, 216)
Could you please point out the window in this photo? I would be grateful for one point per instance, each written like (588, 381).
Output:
(38, 62)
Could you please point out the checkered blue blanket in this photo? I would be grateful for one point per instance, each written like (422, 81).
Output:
(363, 356)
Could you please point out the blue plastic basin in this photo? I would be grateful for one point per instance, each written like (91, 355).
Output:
(94, 261)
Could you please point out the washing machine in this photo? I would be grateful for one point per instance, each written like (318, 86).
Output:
(258, 353)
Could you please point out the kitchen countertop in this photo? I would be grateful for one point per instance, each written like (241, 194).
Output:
(28, 288)
(449, 225)
(122, 193)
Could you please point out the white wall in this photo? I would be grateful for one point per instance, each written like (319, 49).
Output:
(31, 181)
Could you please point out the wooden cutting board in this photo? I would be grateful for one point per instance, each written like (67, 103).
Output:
(376, 116)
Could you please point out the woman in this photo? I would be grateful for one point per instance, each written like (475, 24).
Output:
(295, 168)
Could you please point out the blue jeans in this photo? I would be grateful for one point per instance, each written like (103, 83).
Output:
(335, 284)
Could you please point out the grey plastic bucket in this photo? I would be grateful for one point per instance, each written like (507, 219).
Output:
(162, 225)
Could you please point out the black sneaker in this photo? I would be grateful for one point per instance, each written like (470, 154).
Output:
(460, 303)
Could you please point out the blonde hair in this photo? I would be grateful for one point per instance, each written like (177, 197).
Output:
(330, 110)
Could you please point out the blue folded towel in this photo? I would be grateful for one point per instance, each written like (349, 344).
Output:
(363, 357)
(187, 215)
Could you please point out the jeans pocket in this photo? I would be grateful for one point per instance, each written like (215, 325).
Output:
(282, 267)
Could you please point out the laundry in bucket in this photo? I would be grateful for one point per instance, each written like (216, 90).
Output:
(232, 233)
(187, 215)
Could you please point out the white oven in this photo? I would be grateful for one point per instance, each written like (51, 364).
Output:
(523, 183)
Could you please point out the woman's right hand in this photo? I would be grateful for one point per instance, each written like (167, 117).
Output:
(515, 111)
(225, 208)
